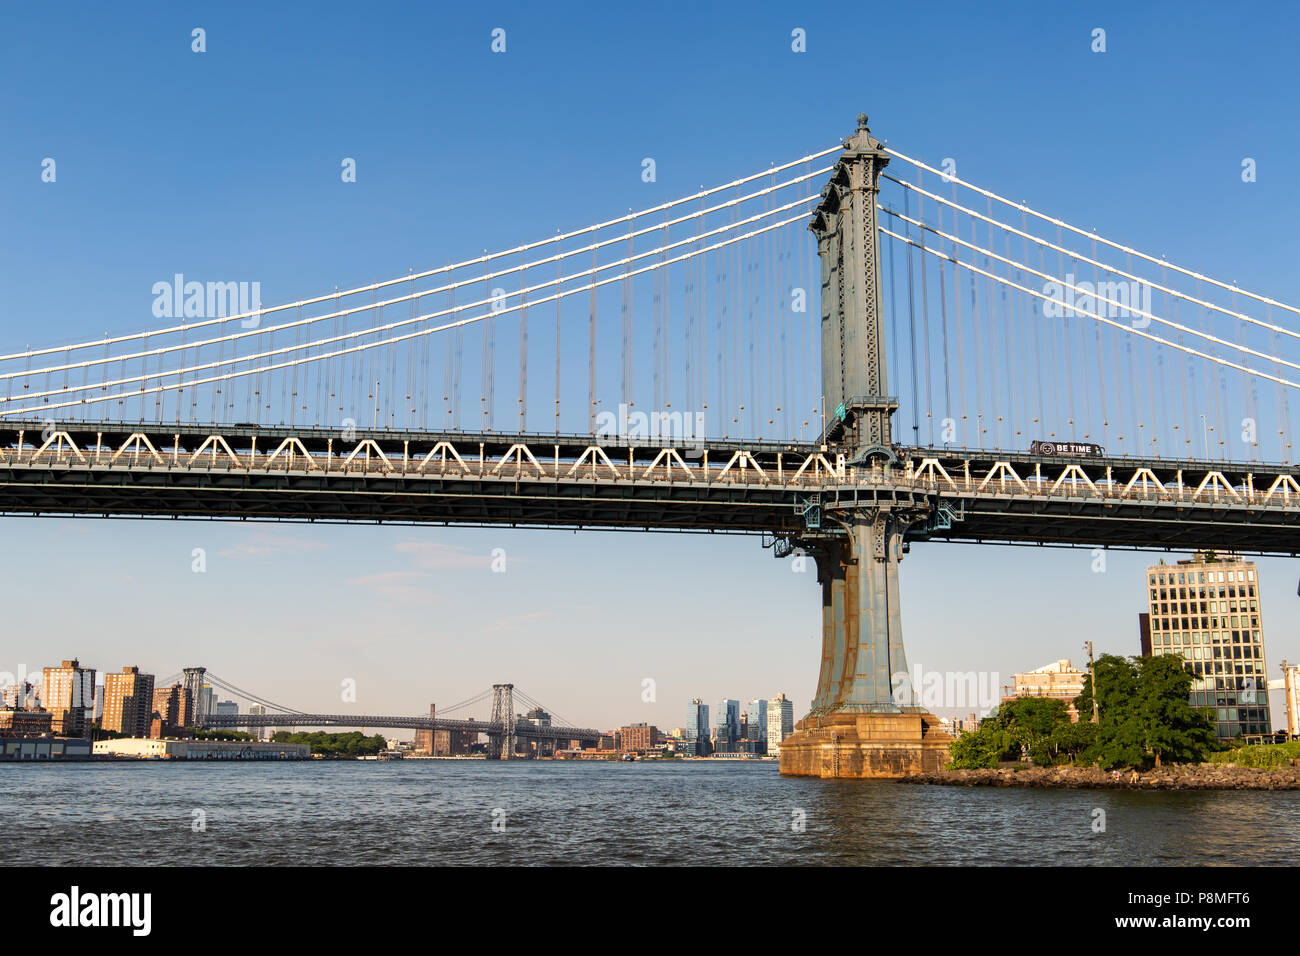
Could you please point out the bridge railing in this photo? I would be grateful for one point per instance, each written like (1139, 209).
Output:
(521, 461)
(1196, 484)
(980, 474)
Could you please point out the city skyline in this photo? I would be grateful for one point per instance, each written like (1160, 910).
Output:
(618, 697)
(813, 436)
(417, 616)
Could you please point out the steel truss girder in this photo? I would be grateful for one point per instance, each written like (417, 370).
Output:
(247, 473)
(219, 721)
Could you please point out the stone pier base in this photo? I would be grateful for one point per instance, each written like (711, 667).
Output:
(861, 746)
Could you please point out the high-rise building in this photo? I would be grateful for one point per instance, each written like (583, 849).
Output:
(780, 722)
(756, 727)
(174, 705)
(227, 708)
(965, 725)
(19, 695)
(726, 735)
(128, 702)
(1206, 610)
(68, 692)
(696, 733)
(259, 710)
(537, 717)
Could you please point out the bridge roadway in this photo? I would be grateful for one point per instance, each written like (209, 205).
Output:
(787, 490)
(522, 728)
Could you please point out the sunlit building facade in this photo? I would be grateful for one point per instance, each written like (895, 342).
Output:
(68, 693)
(1060, 680)
(1207, 611)
(128, 702)
(780, 723)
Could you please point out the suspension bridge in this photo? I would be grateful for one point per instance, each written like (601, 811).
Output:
(504, 729)
(721, 363)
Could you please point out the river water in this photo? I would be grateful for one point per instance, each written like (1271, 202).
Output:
(429, 812)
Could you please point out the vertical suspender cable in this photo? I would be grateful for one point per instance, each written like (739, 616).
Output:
(892, 347)
(1284, 431)
(1032, 309)
(911, 328)
(557, 339)
(523, 348)
(925, 315)
(485, 423)
(448, 366)
(943, 311)
(591, 352)
(962, 399)
(1101, 367)
(627, 327)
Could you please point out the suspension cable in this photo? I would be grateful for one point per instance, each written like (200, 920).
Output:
(28, 374)
(1135, 310)
(1092, 262)
(479, 260)
(1100, 318)
(1075, 229)
(361, 347)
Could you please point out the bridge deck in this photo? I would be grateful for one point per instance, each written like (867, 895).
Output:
(288, 474)
(522, 728)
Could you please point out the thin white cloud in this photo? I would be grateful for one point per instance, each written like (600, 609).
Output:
(436, 556)
(516, 622)
(263, 545)
(399, 587)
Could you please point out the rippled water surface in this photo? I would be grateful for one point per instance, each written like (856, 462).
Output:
(418, 812)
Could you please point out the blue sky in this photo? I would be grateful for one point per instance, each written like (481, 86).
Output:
(226, 163)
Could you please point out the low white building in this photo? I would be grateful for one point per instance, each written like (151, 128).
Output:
(148, 748)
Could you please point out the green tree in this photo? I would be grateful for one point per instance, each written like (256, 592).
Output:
(1168, 726)
(1145, 716)
(350, 744)
(977, 749)
(1118, 744)
(1032, 723)
(1040, 726)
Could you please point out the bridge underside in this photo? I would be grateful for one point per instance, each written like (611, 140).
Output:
(380, 500)
(1153, 527)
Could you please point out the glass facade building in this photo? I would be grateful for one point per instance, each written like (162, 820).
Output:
(756, 727)
(1207, 611)
(727, 731)
(697, 728)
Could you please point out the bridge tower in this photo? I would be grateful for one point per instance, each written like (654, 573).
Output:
(864, 721)
(198, 699)
(855, 399)
(501, 745)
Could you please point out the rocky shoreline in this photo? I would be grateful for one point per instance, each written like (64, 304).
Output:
(1180, 777)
